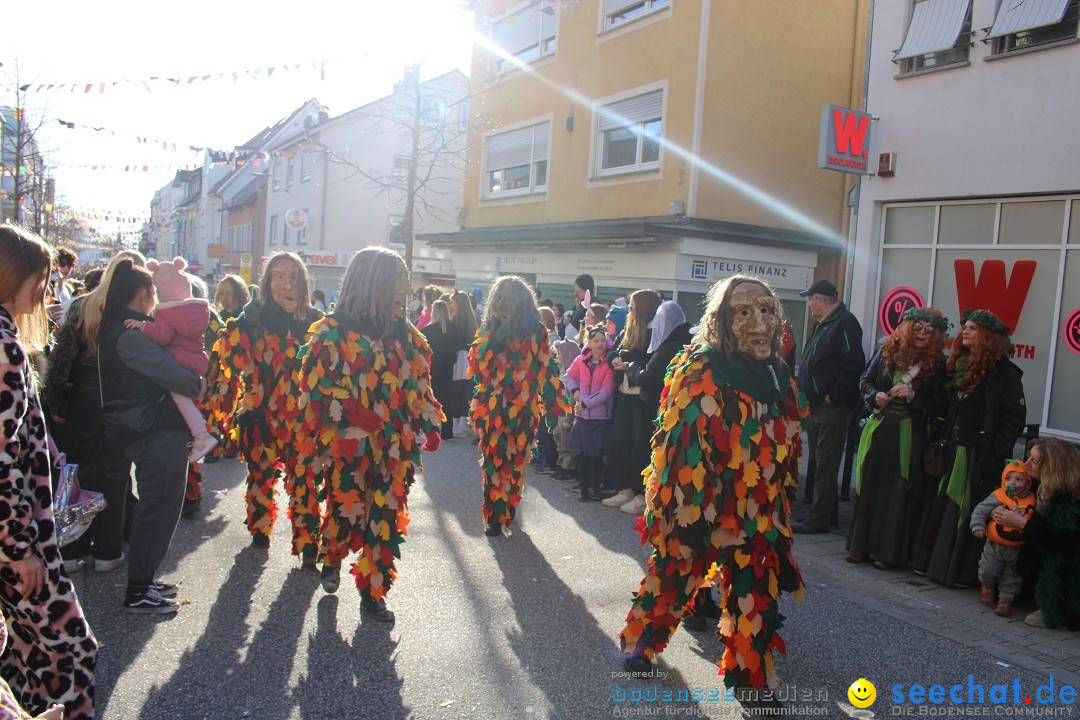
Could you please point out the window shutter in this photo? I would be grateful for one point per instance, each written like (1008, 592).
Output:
(617, 6)
(509, 149)
(935, 26)
(1016, 16)
(549, 22)
(632, 110)
(520, 30)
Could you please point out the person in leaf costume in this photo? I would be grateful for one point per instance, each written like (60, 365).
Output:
(258, 352)
(365, 392)
(725, 465)
(514, 371)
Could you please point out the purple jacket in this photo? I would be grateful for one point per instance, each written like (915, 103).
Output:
(596, 384)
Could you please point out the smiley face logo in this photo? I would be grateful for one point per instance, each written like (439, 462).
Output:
(862, 693)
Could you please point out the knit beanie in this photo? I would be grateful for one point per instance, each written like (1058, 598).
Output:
(170, 280)
(618, 315)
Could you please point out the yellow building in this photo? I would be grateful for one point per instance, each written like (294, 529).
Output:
(589, 117)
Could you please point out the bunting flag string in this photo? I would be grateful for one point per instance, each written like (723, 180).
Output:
(165, 144)
(99, 87)
(24, 170)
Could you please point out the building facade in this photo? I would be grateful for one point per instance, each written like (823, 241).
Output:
(342, 185)
(982, 209)
(657, 143)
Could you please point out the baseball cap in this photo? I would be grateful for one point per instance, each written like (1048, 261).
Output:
(821, 287)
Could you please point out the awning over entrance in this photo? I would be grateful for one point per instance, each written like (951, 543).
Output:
(632, 231)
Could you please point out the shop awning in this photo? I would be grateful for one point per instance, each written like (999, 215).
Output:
(935, 26)
(626, 232)
(1017, 15)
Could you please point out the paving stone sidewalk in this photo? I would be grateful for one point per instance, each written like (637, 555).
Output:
(954, 614)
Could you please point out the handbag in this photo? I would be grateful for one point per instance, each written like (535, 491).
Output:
(627, 389)
(933, 459)
(74, 508)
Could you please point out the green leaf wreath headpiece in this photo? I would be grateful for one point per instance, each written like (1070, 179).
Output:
(987, 319)
(924, 315)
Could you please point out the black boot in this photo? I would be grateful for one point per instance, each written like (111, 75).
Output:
(585, 479)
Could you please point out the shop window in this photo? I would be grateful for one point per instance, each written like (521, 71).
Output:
(1074, 223)
(966, 224)
(1064, 389)
(909, 225)
(1032, 223)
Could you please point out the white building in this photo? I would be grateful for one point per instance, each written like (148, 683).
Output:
(340, 185)
(980, 105)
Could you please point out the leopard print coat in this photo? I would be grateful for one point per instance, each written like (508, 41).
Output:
(52, 652)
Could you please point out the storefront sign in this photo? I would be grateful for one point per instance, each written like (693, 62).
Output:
(1004, 298)
(1072, 331)
(844, 141)
(215, 250)
(710, 270)
(327, 259)
(897, 302)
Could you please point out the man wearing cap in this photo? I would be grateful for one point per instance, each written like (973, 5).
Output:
(832, 363)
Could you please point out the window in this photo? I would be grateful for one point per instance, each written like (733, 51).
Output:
(273, 230)
(939, 34)
(395, 231)
(305, 167)
(276, 176)
(527, 35)
(1019, 26)
(629, 134)
(401, 168)
(432, 110)
(286, 230)
(515, 162)
(463, 116)
(289, 173)
(230, 242)
(617, 12)
(301, 234)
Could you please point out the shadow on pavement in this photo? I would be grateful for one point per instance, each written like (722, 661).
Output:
(350, 681)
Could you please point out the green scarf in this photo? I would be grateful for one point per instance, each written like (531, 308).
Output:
(760, 380)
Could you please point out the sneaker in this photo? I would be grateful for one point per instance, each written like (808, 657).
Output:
(986, 595)
(201, 446)
(1035, 619)
(165, 589)
(376, 610)
(635, 506)
(74, 565)
(331, 578)
(149, 602)
(620, 498)
(104, 566)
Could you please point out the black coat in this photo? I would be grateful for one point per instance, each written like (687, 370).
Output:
(833, 361)
(650, 375)
(929, 402)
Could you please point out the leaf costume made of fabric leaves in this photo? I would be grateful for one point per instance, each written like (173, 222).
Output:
(725, 461)
(366, 403)
(255, 387)
(514, 381)
(193, 491)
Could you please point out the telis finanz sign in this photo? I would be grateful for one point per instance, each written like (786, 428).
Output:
(844, 143)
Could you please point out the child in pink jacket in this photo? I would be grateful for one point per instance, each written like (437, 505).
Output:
(591, 382)
(179, 325)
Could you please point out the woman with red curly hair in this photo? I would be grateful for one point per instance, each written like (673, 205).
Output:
(904, 384)
(985, 416)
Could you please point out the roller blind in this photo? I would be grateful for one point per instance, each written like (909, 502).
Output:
(540, 141)
(519, 31)
(509, 149)
(632, 110)
(935, 26)
(616, 6)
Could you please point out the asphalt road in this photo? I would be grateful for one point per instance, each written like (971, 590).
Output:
(509, 627)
